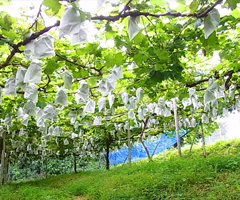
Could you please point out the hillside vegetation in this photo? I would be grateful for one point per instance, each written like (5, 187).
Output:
(189, 177)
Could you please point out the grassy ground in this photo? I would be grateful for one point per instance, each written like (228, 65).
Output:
(189, 177)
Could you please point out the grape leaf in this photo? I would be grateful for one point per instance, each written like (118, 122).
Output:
(51, 67)
(54, 5)
(233, 3)
(193, 6)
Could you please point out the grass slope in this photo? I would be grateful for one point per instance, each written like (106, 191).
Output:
(189, 177)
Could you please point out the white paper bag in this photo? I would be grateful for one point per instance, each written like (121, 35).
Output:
(161, 103)
(44, 46)
(90, 107)
(117, 72)
(102, 87)
(167, 112)
(133, 27)
(207, 107)
(132, 103)
(57, 131)
(101, 104)
(76, 125)
(81, 132)
(110, 82)
(82, 93)
(66, 142)
(82, 35)
(232, 90)
(187, 122)
(140, 114)
(43, 129)
(111, 99)
(151, 108)
(169, 104)
(131, 114)
(50, 130)
(74, 135)
(30, 108)
(34, 71)
(186, 102)
(125, 98)
(106, 85)
(97, 120)
(214, 112)
(49, 112)
(29, 148)
(61, 97)
(205, 119)
(22, 132)
(220, 92)
(25, 120)
(67, 78)
(8, 120)
(10, 87)
(20, 77)
(20, 113)
(29, 49)
(70, 22)
(31, 93)
(225, 112)
(192, 92)
(139, 94)
(215, 103)
(158, 110)
(72, 116)
(39, 113)
(209, 96)
(193, 122)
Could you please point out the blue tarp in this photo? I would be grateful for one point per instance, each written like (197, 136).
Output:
(138, 152)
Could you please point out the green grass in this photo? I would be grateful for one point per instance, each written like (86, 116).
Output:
(189, 177)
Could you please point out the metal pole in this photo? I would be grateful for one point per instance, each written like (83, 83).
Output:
(129, 147)
(176, 127)
(203, 140)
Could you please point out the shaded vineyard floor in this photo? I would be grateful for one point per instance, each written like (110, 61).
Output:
(189, 177)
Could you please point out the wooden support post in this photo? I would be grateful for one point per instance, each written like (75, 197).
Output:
(129, 146)
(107, 153)
(203, 141)
(176, 128)
(2, 176)
(75, 162)
(5, 172)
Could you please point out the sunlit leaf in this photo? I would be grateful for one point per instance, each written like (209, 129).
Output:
(193, 6)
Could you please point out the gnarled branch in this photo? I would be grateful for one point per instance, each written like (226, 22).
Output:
(26, 41)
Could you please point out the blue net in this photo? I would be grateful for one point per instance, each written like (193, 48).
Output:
(138, 152)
